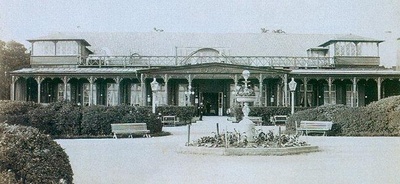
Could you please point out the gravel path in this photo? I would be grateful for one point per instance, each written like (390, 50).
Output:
(156, 160)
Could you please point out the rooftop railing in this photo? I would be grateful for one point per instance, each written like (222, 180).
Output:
(257, 61)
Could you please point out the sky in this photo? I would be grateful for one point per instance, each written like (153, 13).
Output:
(380, 19)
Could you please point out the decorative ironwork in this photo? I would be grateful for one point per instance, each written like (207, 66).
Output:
(257, 61)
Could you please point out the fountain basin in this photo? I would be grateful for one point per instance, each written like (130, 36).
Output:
(248, 151)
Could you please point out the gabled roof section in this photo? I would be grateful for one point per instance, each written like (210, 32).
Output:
(61, 37)
(350, 38)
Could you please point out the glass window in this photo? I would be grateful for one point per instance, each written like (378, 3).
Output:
(67, 48)
(326, 94)
(112, 94)
(44, 48)
(136, 95)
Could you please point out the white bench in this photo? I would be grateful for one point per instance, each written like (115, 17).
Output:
(279, 119)
(313, 127)
(129, 128)
(257, 120)
(169, 120)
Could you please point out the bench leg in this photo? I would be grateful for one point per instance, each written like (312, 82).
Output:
(130, 136)
(115, 136)
(147, 135)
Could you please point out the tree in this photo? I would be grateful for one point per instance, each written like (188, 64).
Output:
(13, 56)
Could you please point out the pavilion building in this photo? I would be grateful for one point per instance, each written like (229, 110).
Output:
(193, 68)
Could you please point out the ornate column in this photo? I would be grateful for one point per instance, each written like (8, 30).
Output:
(91, 81)
(330, 89)
(39, 81)
(166, 78)
(143, 88)
(118, 81)
(65, 82)
(285, 100)
(189, 78)
(12, 91)
(260, 79)
(235, 80)
(305, 100)
(354, 101)
(379, 83)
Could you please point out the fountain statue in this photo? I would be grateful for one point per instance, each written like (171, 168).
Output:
(246, 95)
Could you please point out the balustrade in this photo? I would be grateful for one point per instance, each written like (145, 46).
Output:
(257, 61)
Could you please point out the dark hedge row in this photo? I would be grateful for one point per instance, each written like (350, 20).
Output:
(28, 156)
(381, 118)
(68, 119)
(184, 113)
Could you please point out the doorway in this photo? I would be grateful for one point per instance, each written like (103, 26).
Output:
(213, 104)
(210, 101)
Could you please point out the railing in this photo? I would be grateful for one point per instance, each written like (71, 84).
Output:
(258, 61)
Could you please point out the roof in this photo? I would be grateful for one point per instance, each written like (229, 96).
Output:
(75, 71)
(60, 37)
(182, 44)
(344, 72)
(350, 38)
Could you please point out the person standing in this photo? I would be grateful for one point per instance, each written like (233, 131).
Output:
(201, 111)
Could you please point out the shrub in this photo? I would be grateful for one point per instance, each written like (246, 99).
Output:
(184, 113)
(16, 112)
(145, 115)
(68, 119)
(44, 118)
(97, 120)
(32, 157)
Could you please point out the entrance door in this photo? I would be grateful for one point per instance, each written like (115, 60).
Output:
(210, 101)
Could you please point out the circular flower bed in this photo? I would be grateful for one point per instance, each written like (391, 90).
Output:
(239, 140)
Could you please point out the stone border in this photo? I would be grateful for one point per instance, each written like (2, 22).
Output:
(248, 151)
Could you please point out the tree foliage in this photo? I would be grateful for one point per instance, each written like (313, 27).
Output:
(13, 56)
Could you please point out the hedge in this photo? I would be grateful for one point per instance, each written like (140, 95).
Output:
(28, 156)
(184, 113)
(16, 112)
(380, 118)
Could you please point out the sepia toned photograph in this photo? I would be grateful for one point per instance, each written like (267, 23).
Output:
(199, 92)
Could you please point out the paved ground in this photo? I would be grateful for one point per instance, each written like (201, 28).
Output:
(156, 160)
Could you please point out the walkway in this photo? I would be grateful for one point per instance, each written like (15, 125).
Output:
(155, 160)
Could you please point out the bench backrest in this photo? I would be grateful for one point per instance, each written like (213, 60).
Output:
(280, 118)
(169, 118)
(316, 125)
(128, 127)
(255, 118)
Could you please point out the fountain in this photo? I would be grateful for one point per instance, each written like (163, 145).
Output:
(246, 95)
(251, 141)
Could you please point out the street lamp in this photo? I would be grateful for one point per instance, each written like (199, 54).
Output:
(188, 93)
(154, 88)
(292, 88)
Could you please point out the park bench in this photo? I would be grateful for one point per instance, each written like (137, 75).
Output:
(279, 119)
(169, 120)
(129, 128)
(307, 127)
(257, 120)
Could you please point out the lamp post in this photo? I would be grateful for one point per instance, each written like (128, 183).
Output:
(292, 88)
(188, 94)
(154, 88)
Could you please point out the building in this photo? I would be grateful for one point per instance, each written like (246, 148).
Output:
(194, 68)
